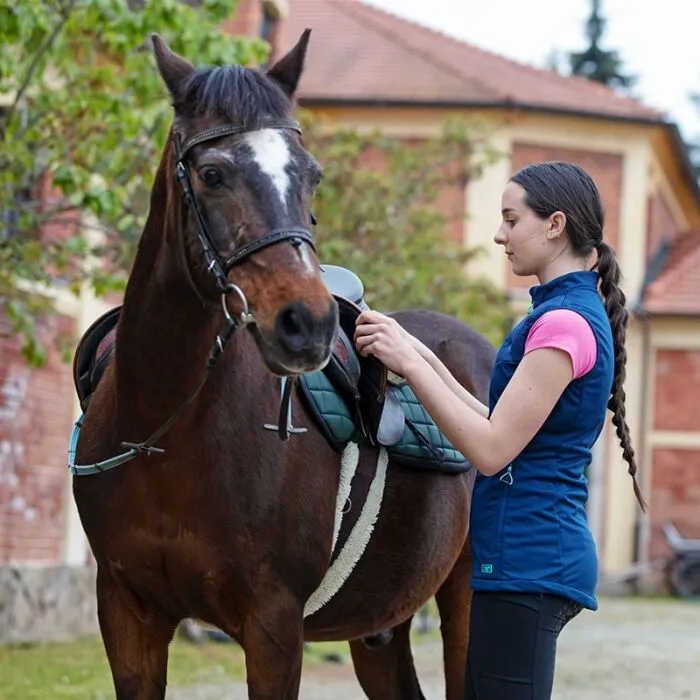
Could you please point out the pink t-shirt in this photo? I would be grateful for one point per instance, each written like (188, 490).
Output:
(566, 330)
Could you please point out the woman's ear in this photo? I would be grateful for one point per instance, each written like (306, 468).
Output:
(557, 224)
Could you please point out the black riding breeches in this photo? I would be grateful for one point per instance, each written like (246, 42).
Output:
(512, 644)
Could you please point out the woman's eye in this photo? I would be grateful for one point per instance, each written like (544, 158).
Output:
(211, 176)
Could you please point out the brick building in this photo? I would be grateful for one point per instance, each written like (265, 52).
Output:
(365, 69)
(35, 418)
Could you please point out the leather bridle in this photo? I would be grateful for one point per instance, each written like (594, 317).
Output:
(218, 266)
(221, 268)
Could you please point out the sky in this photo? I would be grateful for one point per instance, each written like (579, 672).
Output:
(657, 49)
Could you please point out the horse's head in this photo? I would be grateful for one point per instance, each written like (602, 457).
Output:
(248, 183)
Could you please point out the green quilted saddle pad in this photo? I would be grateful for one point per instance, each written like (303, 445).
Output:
(422, 445)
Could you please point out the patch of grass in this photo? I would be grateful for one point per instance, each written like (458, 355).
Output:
(79, 669)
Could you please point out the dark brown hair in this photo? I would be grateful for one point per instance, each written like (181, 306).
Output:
(560, 186)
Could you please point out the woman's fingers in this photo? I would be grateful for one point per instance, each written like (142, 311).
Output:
(368, 329)
(362, 341)
(369, 317)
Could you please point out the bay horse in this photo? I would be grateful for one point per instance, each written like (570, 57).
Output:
(212, 517)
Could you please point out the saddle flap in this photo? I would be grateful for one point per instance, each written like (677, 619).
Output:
(343, 368)
(372, 383)
(93, 353)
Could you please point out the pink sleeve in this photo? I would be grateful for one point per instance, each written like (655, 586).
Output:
(565, 330)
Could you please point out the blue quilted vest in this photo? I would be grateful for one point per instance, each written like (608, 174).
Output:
(529, 529)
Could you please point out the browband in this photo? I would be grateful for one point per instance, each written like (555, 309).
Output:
(233, 130)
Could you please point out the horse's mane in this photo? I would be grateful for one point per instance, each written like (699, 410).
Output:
(235, 93)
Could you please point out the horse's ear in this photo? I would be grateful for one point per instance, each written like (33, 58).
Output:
(287, 71)
(173, 68)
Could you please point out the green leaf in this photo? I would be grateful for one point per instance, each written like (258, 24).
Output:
(87, 129)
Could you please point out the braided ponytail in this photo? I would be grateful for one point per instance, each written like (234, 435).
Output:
(614, 299)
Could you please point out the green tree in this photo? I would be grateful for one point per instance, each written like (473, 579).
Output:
(84, 118)
(594, 62)
(381, 214)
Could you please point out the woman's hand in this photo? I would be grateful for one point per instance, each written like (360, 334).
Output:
(381, 336)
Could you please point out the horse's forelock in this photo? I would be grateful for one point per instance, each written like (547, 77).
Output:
(235, 93)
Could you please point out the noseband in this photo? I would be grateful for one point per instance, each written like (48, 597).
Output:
(218, 266)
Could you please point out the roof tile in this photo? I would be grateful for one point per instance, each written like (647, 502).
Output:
(359, 52)
(676, 289)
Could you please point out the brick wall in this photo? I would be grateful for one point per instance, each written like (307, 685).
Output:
(35, 422)
(676, 495)
(675, 472)
(677, 391)
(661, 223)
(451, 200)
(604, 168)
(453, 203)
(246, 20)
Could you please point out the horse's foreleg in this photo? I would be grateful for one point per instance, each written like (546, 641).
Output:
(273, 642)
(136, 640)
(453, 600)
(387, 673)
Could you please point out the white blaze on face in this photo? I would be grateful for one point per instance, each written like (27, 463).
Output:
(271, 153)
(307, 260)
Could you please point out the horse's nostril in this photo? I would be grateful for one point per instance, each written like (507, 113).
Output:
(300, 332)
(295, 326)
(291, 322)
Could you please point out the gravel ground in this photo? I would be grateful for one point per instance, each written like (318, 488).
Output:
(630, 649)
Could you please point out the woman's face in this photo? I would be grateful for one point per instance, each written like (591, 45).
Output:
(523, 235)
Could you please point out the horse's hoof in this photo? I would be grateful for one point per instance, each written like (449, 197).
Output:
(377, 641)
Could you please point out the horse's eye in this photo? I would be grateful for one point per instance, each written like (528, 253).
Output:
(211, 176)
(316, 177)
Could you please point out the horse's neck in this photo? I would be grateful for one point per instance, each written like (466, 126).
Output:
(165, 333)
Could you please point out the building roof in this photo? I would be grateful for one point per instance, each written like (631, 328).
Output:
(676, 288)
(359, 53)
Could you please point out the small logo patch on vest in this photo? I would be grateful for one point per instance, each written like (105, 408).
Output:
(487, 568)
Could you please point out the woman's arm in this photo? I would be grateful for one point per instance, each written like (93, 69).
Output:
(527, 401)
(445, 375)
(453, 385)
(488, 443)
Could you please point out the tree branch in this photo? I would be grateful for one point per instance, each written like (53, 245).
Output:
(45, 45)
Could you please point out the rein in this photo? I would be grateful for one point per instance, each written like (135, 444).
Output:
(220, 269)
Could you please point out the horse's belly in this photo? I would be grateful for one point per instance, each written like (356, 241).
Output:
(420, 533)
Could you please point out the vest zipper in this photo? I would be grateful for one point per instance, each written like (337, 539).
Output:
(507, 479)
(507, 476)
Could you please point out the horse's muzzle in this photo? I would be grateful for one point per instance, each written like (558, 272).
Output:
(305, 339)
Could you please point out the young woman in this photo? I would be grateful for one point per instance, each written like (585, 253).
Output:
(556, 374)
